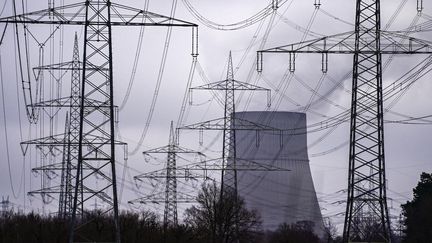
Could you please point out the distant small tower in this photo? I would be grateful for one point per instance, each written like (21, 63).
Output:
(5, 206)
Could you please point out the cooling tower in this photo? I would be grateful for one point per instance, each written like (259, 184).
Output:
(281, 196)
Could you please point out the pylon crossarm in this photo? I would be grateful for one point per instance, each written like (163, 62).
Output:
(159, 198)
(47, 190)
(404, 44)
(59, 140)
(67, 102)
(250, 165)
(58, 66)
(421, 27)
(391, 43)
(237, 85)
(49, 140)
(242, 124)
(162, 174)
(60, 102)
(239, 124)
(74, 14)
(172, 149)
(58, 190)
(68, 66)
(71, 13)
(241, 165)
(343, 42)
(52, 167)
(125, 15)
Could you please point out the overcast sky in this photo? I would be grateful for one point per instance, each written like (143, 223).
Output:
(407, 146)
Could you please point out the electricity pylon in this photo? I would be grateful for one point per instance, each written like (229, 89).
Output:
(229, 164)
(366, 217)
(5, 206)
(171, 174)
(69, 140)
(229, 124)
(97, 123)
(67, 143)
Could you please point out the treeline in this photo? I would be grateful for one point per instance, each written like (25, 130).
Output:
(216, 218)
(135, 228)
(35, 228)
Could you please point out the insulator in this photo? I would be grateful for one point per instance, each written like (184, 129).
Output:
(324, 62)
(177, 142)
(201, 137)
(275, 4)
(419, 6)
(317, 3)
(269, 98)
(146, 158)
(125, 152)
(190, 97)
(292, 62)
(46, 198)
(116, 115)
(410, 44)
(257, 138)
(195, 41)
(259, 62)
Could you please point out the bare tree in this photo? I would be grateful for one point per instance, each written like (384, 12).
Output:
(330, 231)
(222, 219)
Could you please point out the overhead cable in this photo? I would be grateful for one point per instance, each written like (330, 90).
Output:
(262, 14)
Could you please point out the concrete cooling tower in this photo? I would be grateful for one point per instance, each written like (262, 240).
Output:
(281, 196)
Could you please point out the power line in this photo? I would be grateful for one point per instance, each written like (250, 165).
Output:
(273, 6)
(15, 193)
(366, 202)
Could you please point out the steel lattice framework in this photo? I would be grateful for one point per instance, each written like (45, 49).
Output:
(96, 143)
(73, 134)
(229, 164)
(69, 144)
(228, 125)
(5, 206)
(366, 217)
(170, 197)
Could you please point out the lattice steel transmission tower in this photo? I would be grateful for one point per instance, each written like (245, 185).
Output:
(67, 142)
(229, 164)
(73, 137)
(5, 207)
(366, 216)
(96, 143)
(171, 174)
